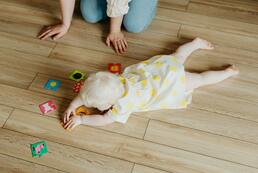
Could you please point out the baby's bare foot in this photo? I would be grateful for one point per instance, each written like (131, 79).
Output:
(233, 70)
(203, 44)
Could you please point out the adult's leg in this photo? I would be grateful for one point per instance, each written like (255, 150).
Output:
(187, 49)
(194, 80)
(140, 15)
(94, 11)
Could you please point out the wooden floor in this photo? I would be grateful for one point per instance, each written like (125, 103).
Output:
(218, 133)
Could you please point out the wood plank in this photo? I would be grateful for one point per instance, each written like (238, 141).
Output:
(65, 90)
(247, 5)
(5, 111)
(18, 10)
(175, 4)
(12, 164)
(144, 169)
(34, 5)
(13, 59)
(92, 60)
(25, 44)
(208, 122)
(11, 96)
(225, 105)
(28, 100)
(119, 146)
(218, 24)
(204, 143)
(9, 77)
(60, 156)
(220, 38)
(226, 12)
(78, 38)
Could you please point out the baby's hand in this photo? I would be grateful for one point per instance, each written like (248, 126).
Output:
(67, 114)
(73, 122)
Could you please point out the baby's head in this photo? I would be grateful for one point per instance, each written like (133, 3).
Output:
(101, 90)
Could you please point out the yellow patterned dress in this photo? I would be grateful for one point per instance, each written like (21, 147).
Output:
(157, 83)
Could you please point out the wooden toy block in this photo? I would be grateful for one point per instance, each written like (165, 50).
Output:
(52, 84)
(76, 75)
(47, 107)
(38, 149)
(114, 68)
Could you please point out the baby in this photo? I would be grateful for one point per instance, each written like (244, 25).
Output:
(158, 83)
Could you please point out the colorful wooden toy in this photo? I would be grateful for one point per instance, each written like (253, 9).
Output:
(77, 86)
(83, 110)
(76, 75)
(114, 68)
(38, 149)
(52, 84)
(47, 107)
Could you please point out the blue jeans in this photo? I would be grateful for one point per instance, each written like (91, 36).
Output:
(138, 18)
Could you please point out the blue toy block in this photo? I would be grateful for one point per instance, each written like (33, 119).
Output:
(52, 84)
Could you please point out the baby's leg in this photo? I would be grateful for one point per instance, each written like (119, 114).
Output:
(194, 80)
(187, 49)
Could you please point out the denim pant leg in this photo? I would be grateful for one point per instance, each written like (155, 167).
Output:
(94, 11)
(140, 15)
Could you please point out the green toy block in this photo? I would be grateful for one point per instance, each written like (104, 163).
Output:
(38, 149)
(76, 75)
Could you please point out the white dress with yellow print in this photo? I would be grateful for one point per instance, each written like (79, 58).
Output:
(157, 83)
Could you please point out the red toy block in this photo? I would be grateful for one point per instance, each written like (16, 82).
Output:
(47, 107)
(114, 68)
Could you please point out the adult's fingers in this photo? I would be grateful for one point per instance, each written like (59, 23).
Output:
(123, 45)
(125, 42)
(115, 46)
(43, 33)
(108, 42)
(50, 34)
(120, 46)
(57, 36)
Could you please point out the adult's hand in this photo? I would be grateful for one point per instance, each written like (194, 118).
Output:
(55, 31)
(118, 41)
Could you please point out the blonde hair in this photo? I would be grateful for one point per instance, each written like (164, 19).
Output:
(101, 89)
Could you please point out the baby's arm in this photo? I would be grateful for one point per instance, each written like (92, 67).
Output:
(96, 120)
(72, 108)
(92, 120)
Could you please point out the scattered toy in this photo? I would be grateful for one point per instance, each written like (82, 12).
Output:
(47, 107)
(82, 110)
(38, 149)
(77, 75)
(52, 84)
(77, 86)
(114, 68)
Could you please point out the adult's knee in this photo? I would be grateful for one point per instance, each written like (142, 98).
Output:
(88, 13)
(133, 26)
